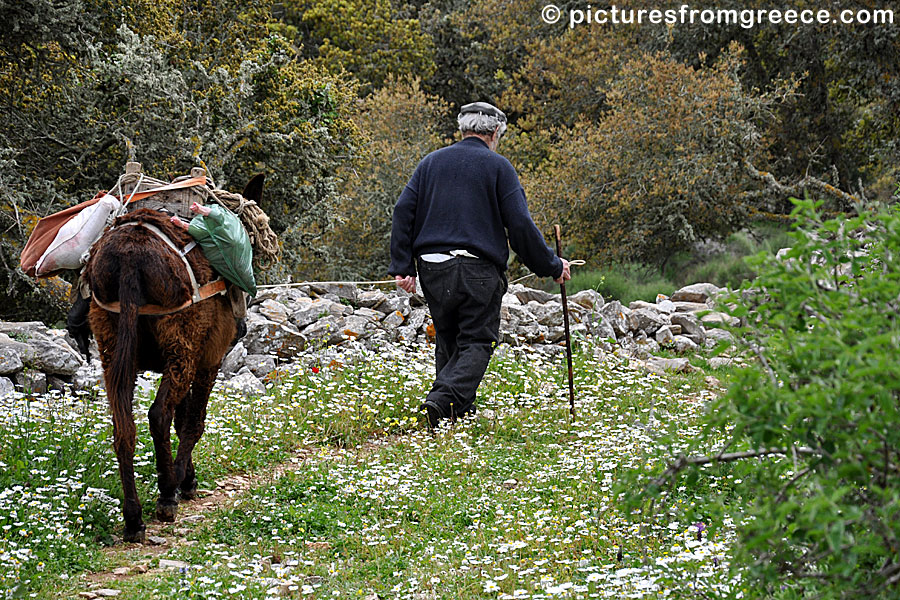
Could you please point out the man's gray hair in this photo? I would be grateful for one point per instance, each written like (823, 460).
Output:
(481, 118)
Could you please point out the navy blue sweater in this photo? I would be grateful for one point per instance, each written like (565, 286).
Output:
(467, 197)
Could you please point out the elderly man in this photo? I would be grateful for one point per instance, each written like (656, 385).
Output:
(453, 225)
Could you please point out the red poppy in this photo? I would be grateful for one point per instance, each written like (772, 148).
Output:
(315, 369)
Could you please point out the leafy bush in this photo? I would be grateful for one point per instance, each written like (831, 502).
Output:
(374, 40)
(624, 283)
(820, 516)
(401, 125)
(727, 267)
(170, 88)
(662, 169)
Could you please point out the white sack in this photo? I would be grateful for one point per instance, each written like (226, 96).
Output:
(77, 236)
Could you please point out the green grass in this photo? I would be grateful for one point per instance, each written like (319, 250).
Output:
(625, 283)
(630, 282)
(516, 502)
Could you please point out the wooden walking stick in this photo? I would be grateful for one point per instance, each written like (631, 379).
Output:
(565, 303)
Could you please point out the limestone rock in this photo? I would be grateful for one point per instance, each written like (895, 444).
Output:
(698, 292)
(664, 336)
(6, 386)
(690, 307)
(719, 362)
(647, 344)
(636, 304)
(266, 337)
(601, 329)
(417, 318)
(328, 330)
(368, 313)
(632, 348)
(42, 352)
(370, 299)
(719, 318)
(246, 383)
(10, 361)
(646, 319)
(32, 382)
(274, 311)
(307, 311)
(665, 306)
(359, 326)
(394, 319)
(589, 299)
(344, 291)
(684, 344)
(526, 294)
(509, 299)
(690, 325)
(549, 314)
(393, 304)
(259, 364)
(406, 333)
(614, 313)
(674, 365)
(234, 360)
(714, 336)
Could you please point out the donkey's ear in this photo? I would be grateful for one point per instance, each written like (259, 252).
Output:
(253, 189)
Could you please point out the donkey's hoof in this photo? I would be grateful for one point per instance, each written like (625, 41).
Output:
(166, 510)
(135, 537)
(188, 492)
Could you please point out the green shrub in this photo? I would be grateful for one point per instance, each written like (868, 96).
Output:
(624, 283)
(817, 512)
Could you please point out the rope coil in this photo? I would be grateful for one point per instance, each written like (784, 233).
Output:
(264, 241)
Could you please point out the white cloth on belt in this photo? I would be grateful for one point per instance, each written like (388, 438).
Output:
(439, 257)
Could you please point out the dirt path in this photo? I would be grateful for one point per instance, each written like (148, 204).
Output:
(133, 560)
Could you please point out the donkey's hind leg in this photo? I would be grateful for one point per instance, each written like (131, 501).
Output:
(172, 390)
(190, 421)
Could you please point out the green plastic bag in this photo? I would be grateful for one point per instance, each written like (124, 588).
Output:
(227, 246)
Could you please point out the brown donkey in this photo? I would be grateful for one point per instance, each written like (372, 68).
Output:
(134, 267)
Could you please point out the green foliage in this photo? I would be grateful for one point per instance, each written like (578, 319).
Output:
(843, 123)
(625, 283)
(661, 170)
(402, 125)
(172, 89)
(726, 265)
(373, 40)
(823, 520)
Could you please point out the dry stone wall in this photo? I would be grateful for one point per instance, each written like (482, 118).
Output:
(282, 322)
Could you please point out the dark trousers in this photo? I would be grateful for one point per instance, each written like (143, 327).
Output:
(464, 296)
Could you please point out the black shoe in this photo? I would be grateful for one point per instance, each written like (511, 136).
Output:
(468, 412)
(433, 414)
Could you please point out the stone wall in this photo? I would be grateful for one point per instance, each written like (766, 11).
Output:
(283, 321)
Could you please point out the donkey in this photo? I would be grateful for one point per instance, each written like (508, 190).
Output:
(133, 270)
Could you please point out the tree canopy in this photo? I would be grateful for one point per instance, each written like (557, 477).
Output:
(641, 140)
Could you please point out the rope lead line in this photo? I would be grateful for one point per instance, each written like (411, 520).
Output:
(575, 263)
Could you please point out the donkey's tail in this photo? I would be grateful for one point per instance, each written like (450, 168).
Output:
(123, 369)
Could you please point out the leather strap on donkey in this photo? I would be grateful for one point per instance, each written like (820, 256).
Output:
(199, 294)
